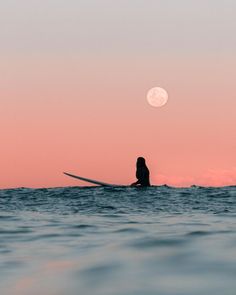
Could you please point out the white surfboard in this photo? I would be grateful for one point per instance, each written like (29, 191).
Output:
(90, 180)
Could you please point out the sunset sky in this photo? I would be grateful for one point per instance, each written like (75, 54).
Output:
(74, 77)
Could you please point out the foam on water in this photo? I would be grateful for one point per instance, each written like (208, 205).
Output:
(98, 240)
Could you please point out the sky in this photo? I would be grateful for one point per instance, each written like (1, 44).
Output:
(74, 77)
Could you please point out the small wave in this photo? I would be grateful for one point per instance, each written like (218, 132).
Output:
(157, 242)
(129, 230)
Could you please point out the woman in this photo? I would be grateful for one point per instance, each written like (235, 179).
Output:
(142, 173)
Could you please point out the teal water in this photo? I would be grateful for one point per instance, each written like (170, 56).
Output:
(121, 241)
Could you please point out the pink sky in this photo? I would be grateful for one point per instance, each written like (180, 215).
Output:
(92, 119)
(73, 90)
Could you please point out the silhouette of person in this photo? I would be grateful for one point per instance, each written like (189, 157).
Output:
(142, 173)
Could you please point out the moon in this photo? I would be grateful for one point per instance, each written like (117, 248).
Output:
(157, 97)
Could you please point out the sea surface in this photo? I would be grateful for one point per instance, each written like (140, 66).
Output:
(118, 241)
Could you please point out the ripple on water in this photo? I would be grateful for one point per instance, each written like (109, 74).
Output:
(129, 230)
(15, 231)
(145, 243)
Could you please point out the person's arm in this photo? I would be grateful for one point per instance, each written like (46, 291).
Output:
(142, 175)
(135, 183)
(139, 181)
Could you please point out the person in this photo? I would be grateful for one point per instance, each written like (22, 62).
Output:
(142, 173)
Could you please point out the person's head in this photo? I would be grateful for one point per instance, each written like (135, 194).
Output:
(141, 162)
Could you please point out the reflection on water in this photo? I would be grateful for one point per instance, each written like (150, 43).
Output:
(157, 240)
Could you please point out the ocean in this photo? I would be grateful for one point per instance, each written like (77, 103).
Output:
(118, 241)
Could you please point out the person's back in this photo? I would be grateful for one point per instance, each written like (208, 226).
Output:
(142, 173)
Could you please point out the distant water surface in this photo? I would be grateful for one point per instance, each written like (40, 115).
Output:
(118, 241)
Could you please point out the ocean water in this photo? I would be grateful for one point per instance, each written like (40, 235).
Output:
(121, 241)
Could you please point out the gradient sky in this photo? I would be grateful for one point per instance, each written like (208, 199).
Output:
(74, 76)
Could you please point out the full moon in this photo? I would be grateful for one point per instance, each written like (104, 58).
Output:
(157, 97)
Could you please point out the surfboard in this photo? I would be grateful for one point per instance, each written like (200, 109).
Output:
(90, 180)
